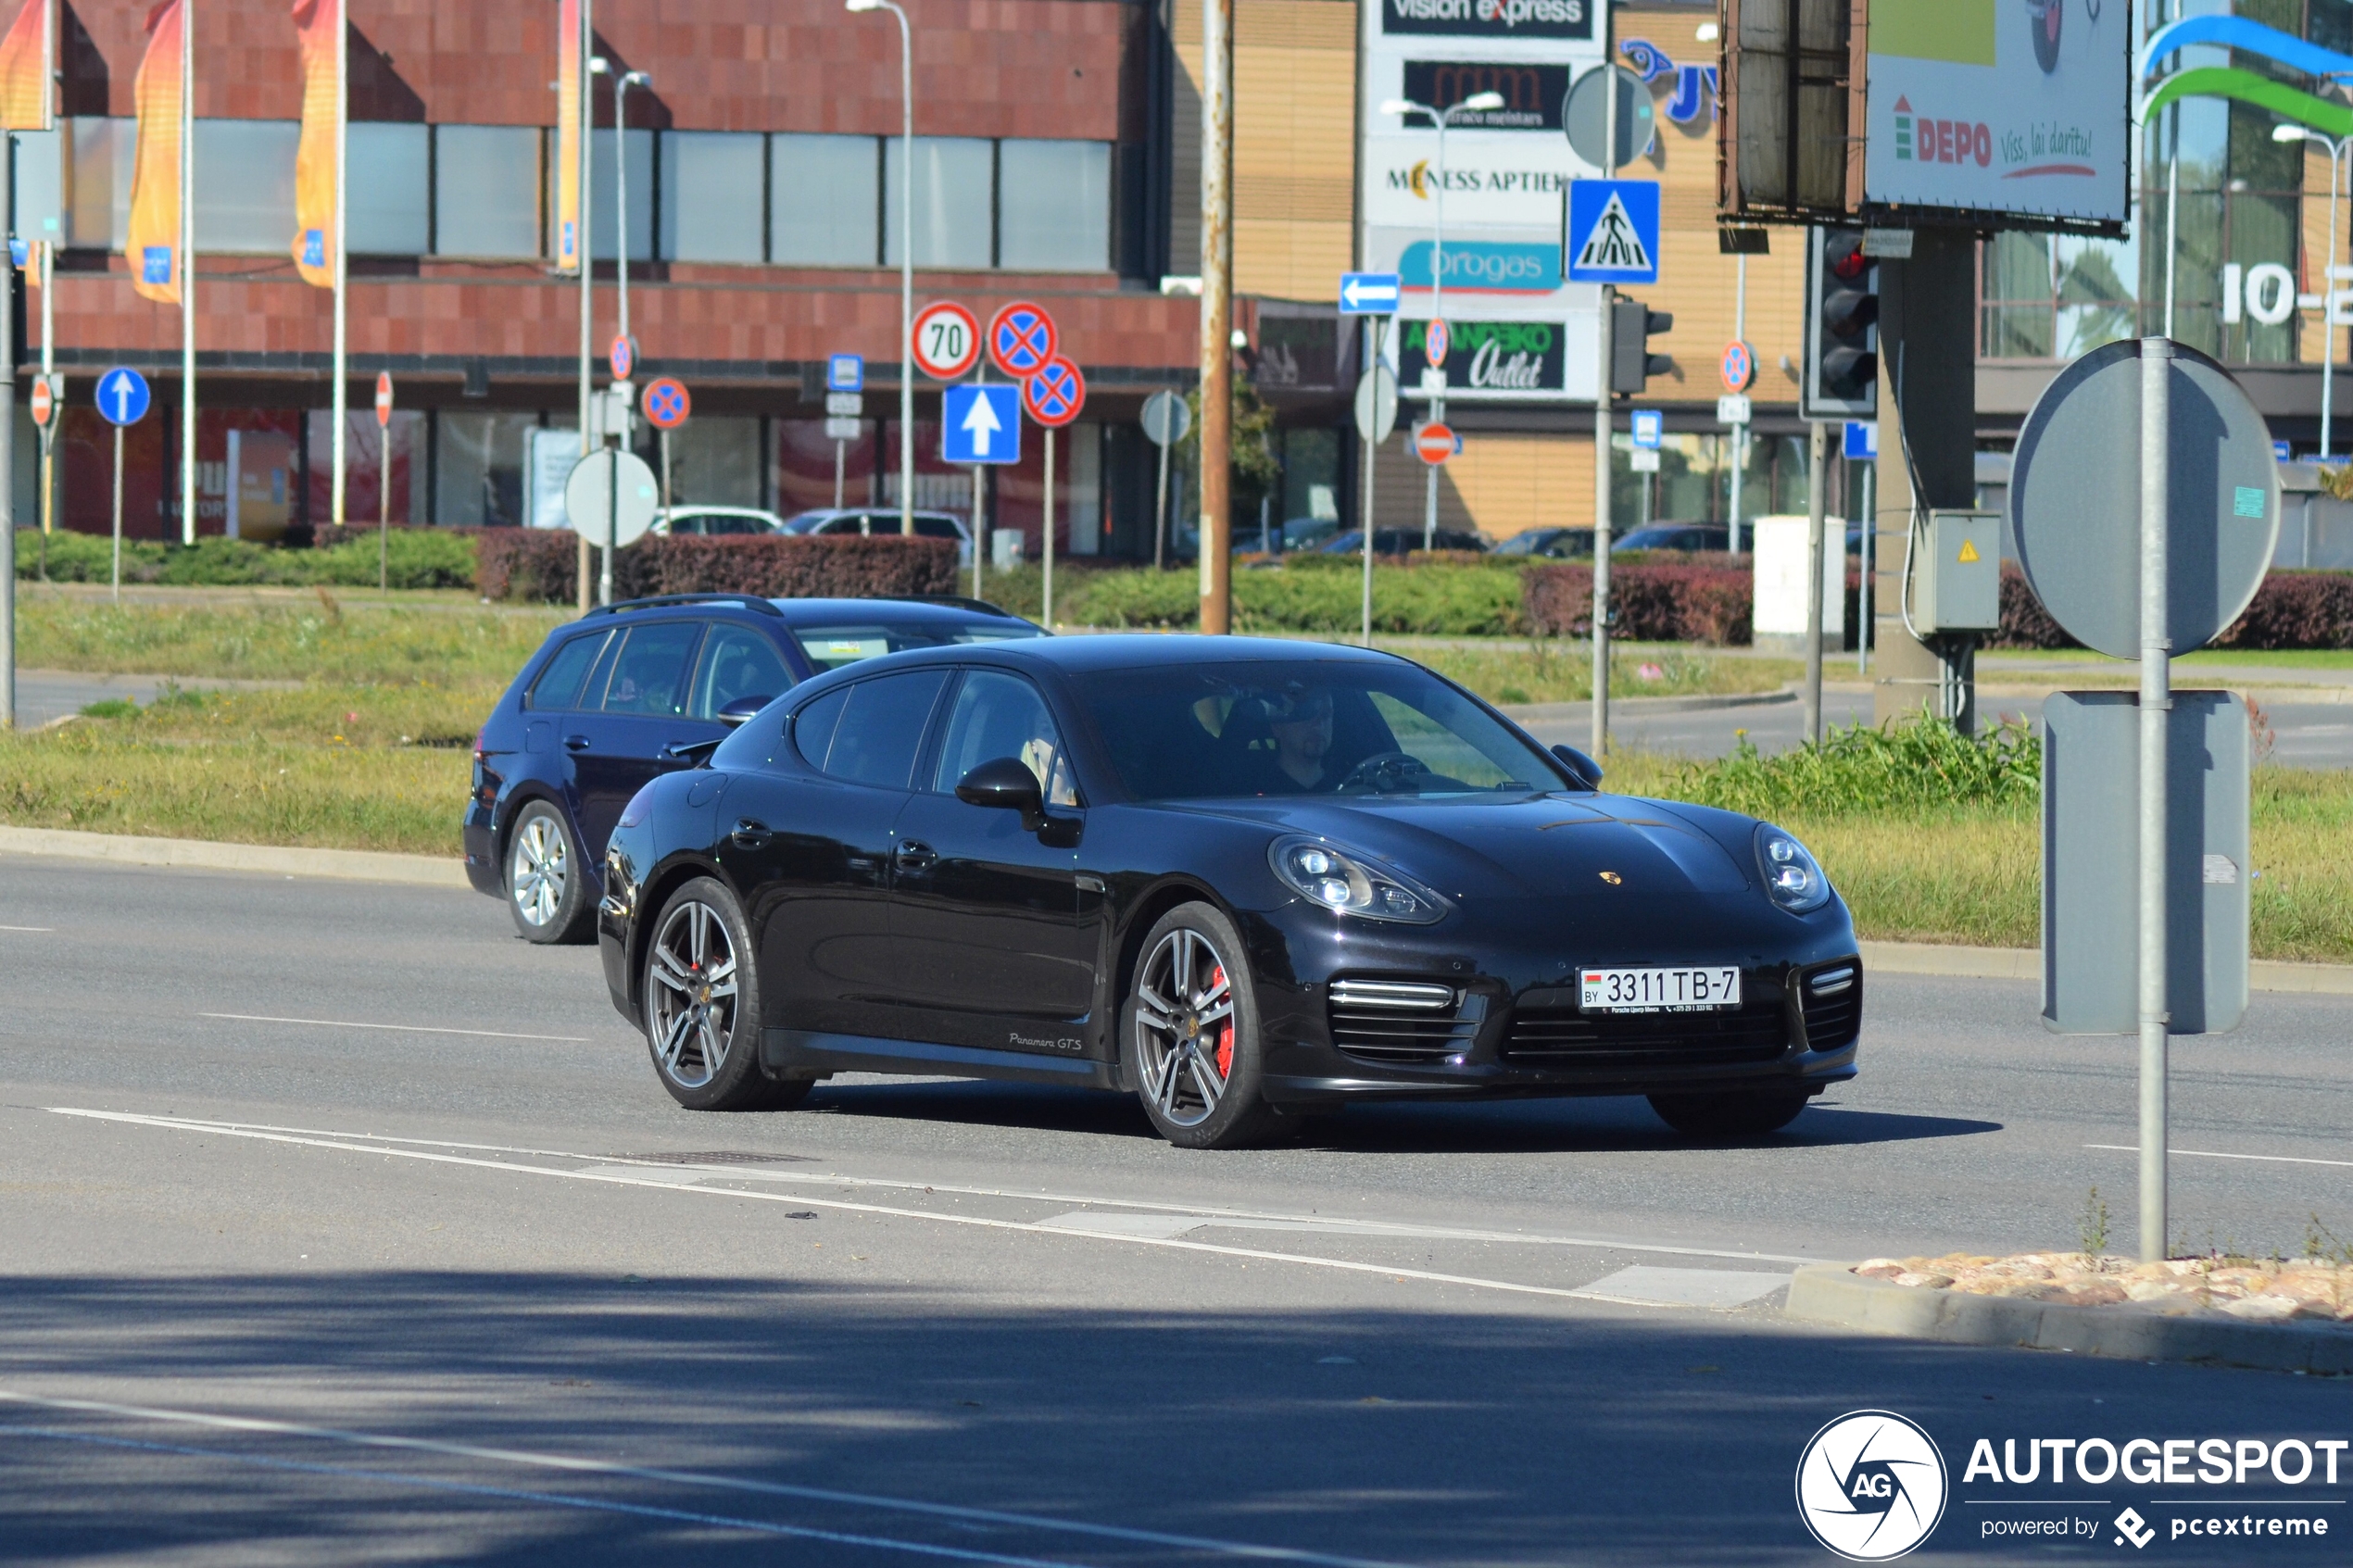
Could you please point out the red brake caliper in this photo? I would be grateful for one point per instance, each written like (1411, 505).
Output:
(1225, 1029)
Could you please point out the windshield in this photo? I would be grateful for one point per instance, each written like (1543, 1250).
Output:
(1304, 727)
(830, 647)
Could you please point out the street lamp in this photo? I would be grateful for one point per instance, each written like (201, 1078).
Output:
(2336, 146)
(906, 260)
(1477, 103)
(620, 175)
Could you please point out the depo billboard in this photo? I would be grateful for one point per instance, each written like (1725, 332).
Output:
(2019, 107)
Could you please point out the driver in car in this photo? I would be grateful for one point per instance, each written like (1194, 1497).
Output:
(1301, 722)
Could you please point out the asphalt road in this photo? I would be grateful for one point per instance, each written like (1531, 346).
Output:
(341, 1226)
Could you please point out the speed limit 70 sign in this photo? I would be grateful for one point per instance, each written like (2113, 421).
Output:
(946, 340)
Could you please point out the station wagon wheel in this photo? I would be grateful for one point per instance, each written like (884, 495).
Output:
(1192, 1033)
(701, 1006)
(546, 882)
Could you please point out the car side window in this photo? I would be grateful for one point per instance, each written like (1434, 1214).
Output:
(876, 730)
(935, 528)
(559, 684)
(737, 663)
(650, 671)
(1000, 715)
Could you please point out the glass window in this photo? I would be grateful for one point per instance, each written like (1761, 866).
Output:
(603, 192)
(651, 667)
(486, 191)
(999, 715)
(823, 200)
(478, 469)
(878, 733)
(737, 663)
(1304, 727)
(812, 727)
(1053, 205)
(246, 186)
(715, 461)
(559, 684)
(390, 199)
(98, 202)
(830, 647)
(955, 196)
(710, 201)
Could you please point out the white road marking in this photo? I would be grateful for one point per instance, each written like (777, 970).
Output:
(687, 1478)
(1095, 1222)
(641, 1179)
(1206, 1213)
(1684, 1288)
(36, 928)
(398, 1028)
(2211, 1154)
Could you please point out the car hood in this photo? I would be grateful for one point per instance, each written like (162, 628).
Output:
(1531, 846)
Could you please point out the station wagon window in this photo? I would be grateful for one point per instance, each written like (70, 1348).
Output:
(737, 663)
(999, 715)
(874, 730)
(830, 647)
(559, 684)
(651, 667)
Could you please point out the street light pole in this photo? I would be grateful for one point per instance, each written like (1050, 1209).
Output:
(906, 260)
(620, 177)
(2336, 146)
(585, 237)
(1477, 103)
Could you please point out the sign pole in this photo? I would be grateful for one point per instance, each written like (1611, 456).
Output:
(1217, 314)
(188, 274)
(665, 467)
(1050, 528)
(842, 453)
(342, 259)
(613, 523)
(980, 532)
(383, 511)
(1871, 532)
(2156, 364)
(49, 431)
(117, 514)
(1365, 511)
(1817, 474)
(1601, 528)
(1160, 513)
(584, 233)
(7, 495)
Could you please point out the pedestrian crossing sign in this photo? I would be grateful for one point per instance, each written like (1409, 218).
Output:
(1612, 232)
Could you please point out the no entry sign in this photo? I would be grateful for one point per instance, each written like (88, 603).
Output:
(1434, 443)
(383, 398)
(43, 404)
(946, 340)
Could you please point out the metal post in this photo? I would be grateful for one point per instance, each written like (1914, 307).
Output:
(7, 495)
(187, 272)
(665, 472)
(613, 524)
(1863, 604)
(1050, 529)
(841, 454)
(384, 506)
(621, 186)
(2328, 316)
(906, 260)
(117, 514)
(1437, 313)
(980, 534)
(340, 398)
(2172, 206)
(1365, 508)
(1740, 432)
(2156, 363)
(1602, 410)
(57, 404)
(1816, 511)
(1160, 510)
(586, 235)
(1217, 314)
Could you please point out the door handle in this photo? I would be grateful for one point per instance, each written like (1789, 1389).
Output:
(750, 835)
(915, 856)
(576, 743)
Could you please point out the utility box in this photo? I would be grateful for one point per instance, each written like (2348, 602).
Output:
(1957, 583)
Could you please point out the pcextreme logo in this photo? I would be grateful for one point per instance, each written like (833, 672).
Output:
(1871, 1486)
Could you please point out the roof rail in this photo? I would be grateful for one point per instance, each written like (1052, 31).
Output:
(959, 602)
(750, 601)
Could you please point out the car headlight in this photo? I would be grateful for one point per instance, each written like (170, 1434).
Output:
(1792, 878)
(1353, 884)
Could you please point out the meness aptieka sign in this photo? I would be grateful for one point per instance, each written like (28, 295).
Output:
(1998, 108)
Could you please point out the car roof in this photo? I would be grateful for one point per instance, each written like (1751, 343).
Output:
(697, 510)
(1146, 650)
(798, 614)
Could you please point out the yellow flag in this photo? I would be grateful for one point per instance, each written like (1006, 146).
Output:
(152, 243)
(318, 32)
(25, 55)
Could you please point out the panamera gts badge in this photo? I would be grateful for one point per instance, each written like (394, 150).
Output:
(1611, 878)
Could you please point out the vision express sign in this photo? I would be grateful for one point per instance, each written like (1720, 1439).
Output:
(1488, 19)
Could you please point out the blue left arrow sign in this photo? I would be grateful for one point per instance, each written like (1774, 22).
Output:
(1368, 294)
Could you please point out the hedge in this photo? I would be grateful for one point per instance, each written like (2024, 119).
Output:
(1651, 603)
(529, 563)
(418, 558)
(2292, 610)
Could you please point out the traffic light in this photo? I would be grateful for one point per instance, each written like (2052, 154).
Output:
(1631, 326)
(1841, 328)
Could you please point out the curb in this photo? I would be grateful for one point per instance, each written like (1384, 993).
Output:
(351, 865)
(1552, 712)
(2026, 963)
(1829, 1293)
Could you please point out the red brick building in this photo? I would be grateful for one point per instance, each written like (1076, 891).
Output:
(762, 163)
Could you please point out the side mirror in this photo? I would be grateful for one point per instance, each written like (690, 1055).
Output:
(1007, 784)
(1581, 767)
(742, 708)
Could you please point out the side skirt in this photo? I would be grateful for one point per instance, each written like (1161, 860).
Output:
(796, 1052)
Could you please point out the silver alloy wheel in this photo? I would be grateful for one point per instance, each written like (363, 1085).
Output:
(542, 869)
(1184, 1028)
(691, 995)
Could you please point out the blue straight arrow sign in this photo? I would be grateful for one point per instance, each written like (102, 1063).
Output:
(1368, 294)
(981, 424)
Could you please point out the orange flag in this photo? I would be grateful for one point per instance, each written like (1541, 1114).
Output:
(568, 131)
(318, 26)
(25, 55)
(152, 245)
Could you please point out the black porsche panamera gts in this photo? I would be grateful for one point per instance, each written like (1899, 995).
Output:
(1243, 879)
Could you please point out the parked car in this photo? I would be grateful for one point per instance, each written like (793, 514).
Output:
(1555, 544)
(1692, 536)
(883, 520)
(1243, 879)
(627, 693)
(717, 520)
(1307, 532)
(1402, 541)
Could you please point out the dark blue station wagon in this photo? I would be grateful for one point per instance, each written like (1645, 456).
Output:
(637, 689)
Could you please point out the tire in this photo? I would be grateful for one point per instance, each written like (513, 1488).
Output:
(546, 878)
(1735, 1113)
(702, 1005)
(1190, 1029)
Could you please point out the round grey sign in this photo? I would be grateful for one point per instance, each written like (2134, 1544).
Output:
(612, 490)
(1166, 419)
(1375, 404)
(2075, 500)
(1581, 114)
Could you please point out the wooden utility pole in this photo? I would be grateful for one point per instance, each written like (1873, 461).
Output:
(1217, 314)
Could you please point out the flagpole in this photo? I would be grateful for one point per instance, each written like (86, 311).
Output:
(583, 209)
(187, 272)
(342, 368)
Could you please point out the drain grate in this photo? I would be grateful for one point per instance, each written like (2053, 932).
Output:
(717, 1157)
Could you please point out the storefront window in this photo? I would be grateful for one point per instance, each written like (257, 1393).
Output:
(364, 468)
(486, 191)
(390, 188)
(245, 185)
(955, 189)
(478, 469)
(823, 200)
(1054, 206)
(711, 196)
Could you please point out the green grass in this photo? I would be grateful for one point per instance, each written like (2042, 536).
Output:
(322, 640)
(1546, 670)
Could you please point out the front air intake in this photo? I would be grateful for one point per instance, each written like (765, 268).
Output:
(1404, 1022)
